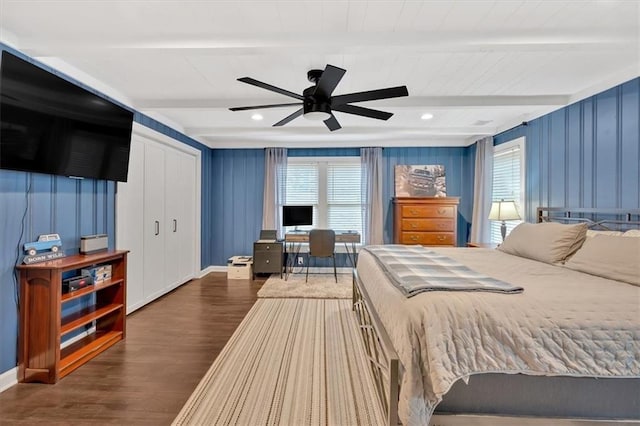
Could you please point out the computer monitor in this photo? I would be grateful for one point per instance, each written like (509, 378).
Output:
(297, 215)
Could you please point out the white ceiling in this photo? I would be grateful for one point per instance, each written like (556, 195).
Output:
(479, 67)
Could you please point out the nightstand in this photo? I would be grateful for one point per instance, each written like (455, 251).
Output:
(267, 258)
(483, 245)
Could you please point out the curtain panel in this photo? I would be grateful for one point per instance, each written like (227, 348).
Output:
(275, 179)
(371, 193)
(482, 191)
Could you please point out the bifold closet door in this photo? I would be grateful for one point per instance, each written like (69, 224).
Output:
(174, 207)
(130, 224)
(155, 225)
(187, 225)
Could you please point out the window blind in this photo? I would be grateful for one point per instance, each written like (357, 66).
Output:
(302, 187)
(343, 196)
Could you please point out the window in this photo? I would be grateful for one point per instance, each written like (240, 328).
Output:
(508, 181)
(331, 185)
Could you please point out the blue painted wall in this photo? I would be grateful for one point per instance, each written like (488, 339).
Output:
(69, 207)
(238, 181)
(586, 154)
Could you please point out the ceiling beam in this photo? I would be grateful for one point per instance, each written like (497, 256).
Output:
(408, 102)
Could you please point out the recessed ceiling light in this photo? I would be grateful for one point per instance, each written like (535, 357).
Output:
(427, 116)
(257, 117)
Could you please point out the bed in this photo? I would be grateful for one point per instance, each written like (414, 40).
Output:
(567, 347)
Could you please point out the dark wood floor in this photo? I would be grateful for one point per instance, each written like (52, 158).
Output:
(147, 378)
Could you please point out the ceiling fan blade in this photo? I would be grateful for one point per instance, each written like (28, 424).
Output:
(288, 118)
(330, 78)
(263, 106)
(365, 112)
(391, 92)
(332, 124)
(262, 85)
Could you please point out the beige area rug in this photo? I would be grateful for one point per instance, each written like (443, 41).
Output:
(290, 362)
(320, 286)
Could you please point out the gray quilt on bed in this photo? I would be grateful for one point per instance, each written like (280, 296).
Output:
(565, 323)
(415, 269)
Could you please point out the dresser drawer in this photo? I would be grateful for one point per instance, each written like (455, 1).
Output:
(428, 238)
(268, 247)
(428, 211)
(444, 225)
(264, 260)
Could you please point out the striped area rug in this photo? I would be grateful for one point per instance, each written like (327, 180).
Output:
(290, 362)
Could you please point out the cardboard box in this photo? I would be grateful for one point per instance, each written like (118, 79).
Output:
(239, 268)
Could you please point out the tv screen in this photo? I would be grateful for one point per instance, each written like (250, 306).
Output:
(297, 215)
(50, 125)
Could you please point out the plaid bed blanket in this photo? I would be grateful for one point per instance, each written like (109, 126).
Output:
(415, 269)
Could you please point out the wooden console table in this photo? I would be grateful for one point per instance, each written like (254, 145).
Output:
(42, 326)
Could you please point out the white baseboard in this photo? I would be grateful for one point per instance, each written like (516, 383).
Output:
(210, 269)
(8, 379)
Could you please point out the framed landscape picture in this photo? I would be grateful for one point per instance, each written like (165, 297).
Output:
(420, 181)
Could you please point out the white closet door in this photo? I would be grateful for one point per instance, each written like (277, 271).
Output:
(154, 221)
(130, 224)
(187, 226)
(174, 205)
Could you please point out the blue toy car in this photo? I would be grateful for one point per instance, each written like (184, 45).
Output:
(51, 242)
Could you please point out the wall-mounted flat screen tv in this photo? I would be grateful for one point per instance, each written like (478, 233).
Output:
(50, 125)
(297, 215)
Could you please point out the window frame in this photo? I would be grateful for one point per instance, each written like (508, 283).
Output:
(323, 164)
(519, 143)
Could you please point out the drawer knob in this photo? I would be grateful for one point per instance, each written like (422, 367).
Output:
(441, 238)
(413, 225)
(442, 225)
(267, 261)
(267, 247)
(414, 238)
(442, 212)
(413, 212)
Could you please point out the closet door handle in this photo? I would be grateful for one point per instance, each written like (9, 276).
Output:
(157, 227)
(175, 225)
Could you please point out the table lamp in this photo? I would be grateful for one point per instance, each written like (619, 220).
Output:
(503, 210)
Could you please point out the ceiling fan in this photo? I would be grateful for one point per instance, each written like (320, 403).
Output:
(317, 102)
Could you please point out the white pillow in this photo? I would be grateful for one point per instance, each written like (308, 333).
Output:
(547, 242)
(592, 233)
(632, 233)
(610, 257)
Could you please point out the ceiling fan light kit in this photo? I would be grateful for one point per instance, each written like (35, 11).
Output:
(318, 103)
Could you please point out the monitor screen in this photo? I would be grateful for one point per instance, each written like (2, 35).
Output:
(50, 125)
(297, 215)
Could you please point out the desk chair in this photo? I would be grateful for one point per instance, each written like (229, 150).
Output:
(322, 243)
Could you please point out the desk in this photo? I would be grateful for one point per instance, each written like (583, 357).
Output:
(294, 240)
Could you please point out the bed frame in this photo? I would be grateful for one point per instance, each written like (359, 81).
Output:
(386, 367)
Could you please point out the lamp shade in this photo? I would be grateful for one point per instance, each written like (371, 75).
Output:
(503, 210)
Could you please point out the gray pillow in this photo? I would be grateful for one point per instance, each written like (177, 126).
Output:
(547, 242)
(610, 257)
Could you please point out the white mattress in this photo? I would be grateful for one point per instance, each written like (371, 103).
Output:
(564, 323)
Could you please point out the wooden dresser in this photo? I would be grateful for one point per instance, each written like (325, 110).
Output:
(430, 221)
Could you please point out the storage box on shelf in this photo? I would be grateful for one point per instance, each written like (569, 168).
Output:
(42, 326)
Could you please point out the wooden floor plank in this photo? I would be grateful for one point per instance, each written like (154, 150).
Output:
(147, 378)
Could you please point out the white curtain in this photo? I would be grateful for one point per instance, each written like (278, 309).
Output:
(482, 189)
(371, 193)
(275, 178)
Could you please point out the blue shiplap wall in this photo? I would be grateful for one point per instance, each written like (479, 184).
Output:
(238, 180)
(456, 164)
(69, 207)
(586, 154)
